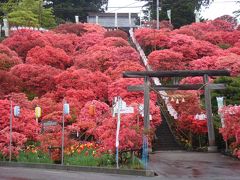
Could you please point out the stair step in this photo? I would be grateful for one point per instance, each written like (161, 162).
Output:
(165, 140)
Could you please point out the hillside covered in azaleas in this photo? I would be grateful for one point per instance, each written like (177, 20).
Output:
(81, 63)
(212, 45)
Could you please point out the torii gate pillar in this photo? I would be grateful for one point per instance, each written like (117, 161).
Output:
(208, 106)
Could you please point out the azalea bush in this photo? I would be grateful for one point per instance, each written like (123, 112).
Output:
(9, 83)
(24, 128)
(192, 132)
(48, 55)
(231, 128)
(79, 28)
(166, 60)
(37, 79)
(8, 58)
(116, 33)
(24, 40)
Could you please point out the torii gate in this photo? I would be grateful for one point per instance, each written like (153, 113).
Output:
(180, 73)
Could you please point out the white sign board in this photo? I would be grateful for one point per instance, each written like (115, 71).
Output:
(127, 110)
(123, 108)
(220, 103)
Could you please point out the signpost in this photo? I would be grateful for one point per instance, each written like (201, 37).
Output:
(16, 112)
(120, 107)
(66, 111)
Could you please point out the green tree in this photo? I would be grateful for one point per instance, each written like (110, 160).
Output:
(28, 13)
(66, 10)
(182, 11)
(8, 6)
(231, 93)
(20, 17)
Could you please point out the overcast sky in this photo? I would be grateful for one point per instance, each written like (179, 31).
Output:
(217, 8)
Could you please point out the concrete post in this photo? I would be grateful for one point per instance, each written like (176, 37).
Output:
(130, 19)
(116, 20)
(96, 19)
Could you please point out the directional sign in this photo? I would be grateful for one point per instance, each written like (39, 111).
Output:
(123, 107)
(127, 110)
(50, 123)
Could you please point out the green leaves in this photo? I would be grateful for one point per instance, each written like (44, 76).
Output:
(21, 17)
(29, 13)
(231, 93)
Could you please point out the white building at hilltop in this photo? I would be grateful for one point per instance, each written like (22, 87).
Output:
(111, 20)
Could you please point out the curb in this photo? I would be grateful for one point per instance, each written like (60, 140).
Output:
(148, 173)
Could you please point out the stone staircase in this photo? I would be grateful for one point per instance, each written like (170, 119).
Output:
(164, 139)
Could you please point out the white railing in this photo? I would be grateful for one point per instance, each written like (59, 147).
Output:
(16, 28)
(156, 81)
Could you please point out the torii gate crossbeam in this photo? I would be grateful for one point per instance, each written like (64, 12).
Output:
(181, 73)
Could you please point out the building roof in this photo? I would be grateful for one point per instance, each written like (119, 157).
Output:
(133, 15)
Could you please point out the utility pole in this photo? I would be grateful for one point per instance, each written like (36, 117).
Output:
(157, 14)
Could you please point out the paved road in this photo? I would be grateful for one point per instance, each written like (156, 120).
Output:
(192, 165)
(168, 165)
(7, 173)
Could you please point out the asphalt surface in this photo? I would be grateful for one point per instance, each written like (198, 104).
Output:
(7, 173)
(193, 165)
(168, 166)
